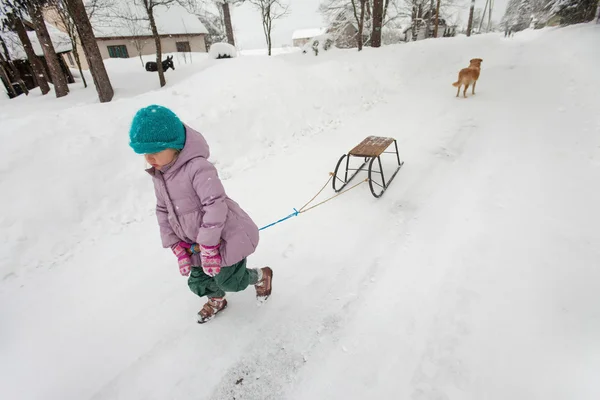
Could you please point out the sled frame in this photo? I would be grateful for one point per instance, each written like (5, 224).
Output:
(370, 150)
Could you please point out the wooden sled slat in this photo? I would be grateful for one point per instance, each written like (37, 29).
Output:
(372, 146)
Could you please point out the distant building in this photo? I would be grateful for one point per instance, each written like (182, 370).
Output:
(344, 31)
(18, 57)
(127, 33)
(303, 36)
(424, 28)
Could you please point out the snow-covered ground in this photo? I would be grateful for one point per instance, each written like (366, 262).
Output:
(476, 276)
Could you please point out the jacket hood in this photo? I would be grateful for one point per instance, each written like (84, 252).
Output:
(195, 146)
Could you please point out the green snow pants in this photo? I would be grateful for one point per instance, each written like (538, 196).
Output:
(231, 279)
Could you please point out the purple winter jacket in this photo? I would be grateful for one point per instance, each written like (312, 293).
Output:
(192, 205)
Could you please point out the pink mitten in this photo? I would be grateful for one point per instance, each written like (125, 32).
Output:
(211, 259)
(183, 258)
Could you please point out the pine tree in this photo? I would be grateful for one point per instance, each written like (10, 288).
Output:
(524, 11)
(576, 11)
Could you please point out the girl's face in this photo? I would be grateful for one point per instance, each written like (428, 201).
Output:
(162, 158)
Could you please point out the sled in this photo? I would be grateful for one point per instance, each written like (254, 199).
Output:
(370, 150)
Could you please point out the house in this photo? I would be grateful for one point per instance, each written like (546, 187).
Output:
(344, 31)
(125, 32)
(303, 36)
(18, 57)
(420, 29)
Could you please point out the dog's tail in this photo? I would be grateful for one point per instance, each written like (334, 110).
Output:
(456, 84)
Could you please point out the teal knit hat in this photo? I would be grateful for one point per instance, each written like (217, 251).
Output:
(156, 128)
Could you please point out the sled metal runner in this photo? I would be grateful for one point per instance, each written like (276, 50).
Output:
(370, 150)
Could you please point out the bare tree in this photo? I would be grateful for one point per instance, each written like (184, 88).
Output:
(212, 16)
(99, 8)
(67, 23)
(78, 12)
(149, 7)
(139, 42)
(360, 20)
(340, 13)
(427, 12)
(270, 10)
(131, 22)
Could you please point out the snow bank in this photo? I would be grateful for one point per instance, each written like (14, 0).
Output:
(94, 139)
(222, 50)
(475, 276)
(275, 51)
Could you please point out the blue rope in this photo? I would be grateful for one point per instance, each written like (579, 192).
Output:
(294, 214)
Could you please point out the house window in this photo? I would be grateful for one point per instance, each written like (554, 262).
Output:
(183, 47)
(118, 51)
(70, 57)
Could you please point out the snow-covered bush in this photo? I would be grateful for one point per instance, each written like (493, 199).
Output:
(222, 50)
(318, 43)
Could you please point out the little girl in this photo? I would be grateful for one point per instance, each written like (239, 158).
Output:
(209, 233)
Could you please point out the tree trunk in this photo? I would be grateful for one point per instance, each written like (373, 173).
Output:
(428, 22)
(228, 25)
(38, 69)
(18, 78)
(470, 23)
(15, 71)
(361, 24)
(161, 73)
(385, 9)
(78, 62)
(69, 24)
(92, 53)
(377, 22)
(6, 78)
(437, 19)
(61, 87)
(269, 37)
(266, 23)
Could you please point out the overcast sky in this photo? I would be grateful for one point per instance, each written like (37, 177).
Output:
(304, 14)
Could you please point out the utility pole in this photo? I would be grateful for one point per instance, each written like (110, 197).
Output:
(483, 15)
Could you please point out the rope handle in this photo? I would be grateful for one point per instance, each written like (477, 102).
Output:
(304, 208)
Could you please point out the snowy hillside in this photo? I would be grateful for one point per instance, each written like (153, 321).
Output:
(475, 276)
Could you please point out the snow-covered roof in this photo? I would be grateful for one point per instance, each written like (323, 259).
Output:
(127, 19)
(308, 33)
(60, 40)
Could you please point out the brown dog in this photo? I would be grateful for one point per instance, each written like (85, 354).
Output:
(468, 76)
